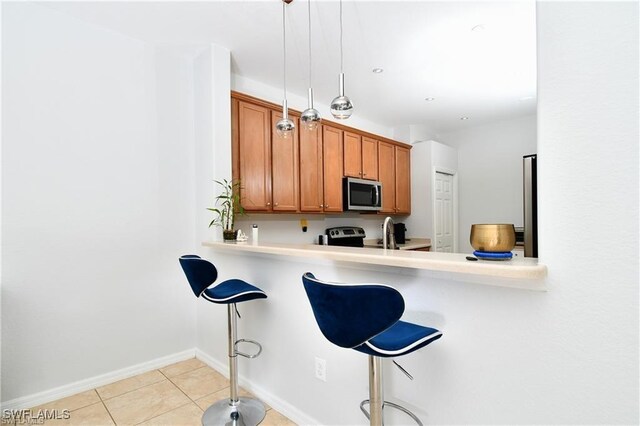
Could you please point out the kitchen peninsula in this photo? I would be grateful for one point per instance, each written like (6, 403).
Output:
(518, 273)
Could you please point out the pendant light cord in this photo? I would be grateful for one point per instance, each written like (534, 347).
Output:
(309, 17)
(340, 36)
(284, 50)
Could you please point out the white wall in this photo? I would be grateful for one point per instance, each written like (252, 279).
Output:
(97, 201)
(490, 172)
(588, 181)
(426, 157)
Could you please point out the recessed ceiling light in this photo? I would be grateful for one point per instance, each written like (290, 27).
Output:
(478, 28)
(464, 118)
(377, 70)
(429, 99)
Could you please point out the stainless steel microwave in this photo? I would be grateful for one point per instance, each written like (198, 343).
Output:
(361, 194)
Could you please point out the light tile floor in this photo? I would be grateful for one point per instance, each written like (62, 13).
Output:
(175, 395)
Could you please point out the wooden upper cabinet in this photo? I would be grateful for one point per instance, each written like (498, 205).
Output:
(360, 156)
(333, 172)
(311, 170)
(352, 155)
(387, 176)
(369, 158)
(304, 172)
(284, 170)
(254, 152)
(403, 180)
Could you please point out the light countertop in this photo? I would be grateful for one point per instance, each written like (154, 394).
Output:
(521, 272)
(411, 243)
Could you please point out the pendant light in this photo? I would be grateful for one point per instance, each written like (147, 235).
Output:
(341, 106)
(284, 126)
(310, 117)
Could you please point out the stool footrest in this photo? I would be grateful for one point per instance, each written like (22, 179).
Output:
(392, 405)
(253, 342)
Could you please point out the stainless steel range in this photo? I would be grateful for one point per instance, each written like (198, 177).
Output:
(348, 236)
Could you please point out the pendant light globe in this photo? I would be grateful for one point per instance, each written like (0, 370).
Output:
(285, 127)
(341, 106)
(310, 118)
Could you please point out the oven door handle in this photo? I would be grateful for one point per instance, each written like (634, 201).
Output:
(377, 192)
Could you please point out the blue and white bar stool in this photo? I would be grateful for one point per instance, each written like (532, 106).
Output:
(366, 317)
(201, 274)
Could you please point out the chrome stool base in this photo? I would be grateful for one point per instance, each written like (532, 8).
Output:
(246, 412)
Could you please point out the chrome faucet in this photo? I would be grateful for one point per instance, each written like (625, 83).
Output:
(388, 236)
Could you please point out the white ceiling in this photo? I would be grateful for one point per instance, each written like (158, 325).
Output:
(426, 48)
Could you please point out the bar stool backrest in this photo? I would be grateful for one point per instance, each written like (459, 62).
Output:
(200, 272)
(350, 314)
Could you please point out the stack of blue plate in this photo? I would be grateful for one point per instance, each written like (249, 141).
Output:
(488, 255)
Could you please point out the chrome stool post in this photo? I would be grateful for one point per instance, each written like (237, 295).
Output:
(236, 411)
(376, 401)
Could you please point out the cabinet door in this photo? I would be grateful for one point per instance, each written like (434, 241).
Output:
(254, 153)
(284, 170)
(352, 155)
(403, 180)
(311, 171)
(369, 158)
(332, 156)
(387, 176)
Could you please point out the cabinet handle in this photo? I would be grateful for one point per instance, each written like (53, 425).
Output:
(364, 174)
(321, 206)
(268, 204)
(275, 204)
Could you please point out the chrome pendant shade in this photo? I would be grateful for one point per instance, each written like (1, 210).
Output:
(341, 106)
(310, 117)
(285, 126)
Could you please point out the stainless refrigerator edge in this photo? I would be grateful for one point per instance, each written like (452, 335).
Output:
(530, 204)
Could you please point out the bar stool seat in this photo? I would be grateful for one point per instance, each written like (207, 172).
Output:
(400, 339)
(201, 274)
(233, 291)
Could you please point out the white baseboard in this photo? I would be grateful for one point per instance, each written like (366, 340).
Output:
(94, 382)
(280, 405)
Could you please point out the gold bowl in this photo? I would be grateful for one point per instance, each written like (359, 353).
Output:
(490, 237)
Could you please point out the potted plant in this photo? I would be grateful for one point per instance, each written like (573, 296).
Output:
(227, 207)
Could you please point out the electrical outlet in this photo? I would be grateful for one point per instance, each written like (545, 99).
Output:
(321, 369)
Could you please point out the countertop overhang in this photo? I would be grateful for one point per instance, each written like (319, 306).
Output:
(523, 269)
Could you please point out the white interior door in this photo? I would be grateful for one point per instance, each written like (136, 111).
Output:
(444, 212)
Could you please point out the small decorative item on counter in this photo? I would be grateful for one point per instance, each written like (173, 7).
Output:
(241, 236)
(254, 233)
(493, 241)
(493, 238)
(227, 207)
